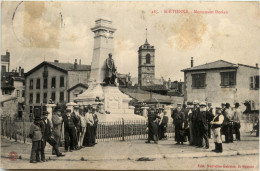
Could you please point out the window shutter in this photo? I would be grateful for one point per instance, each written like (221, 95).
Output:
(251, 82)
(256, 82)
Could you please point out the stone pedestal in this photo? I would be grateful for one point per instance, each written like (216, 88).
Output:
(49, 108)
(70, 106)
(145, 112)
(116, 103)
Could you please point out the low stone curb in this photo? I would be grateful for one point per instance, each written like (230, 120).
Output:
(136, 157)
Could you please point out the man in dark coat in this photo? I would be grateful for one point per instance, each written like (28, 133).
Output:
(178, 121)
(70, 131)
(228, 125)
(95, 118)
(76, 120)
(57, 122)
(195, 128)
(185, 110)
(110, 70)
(47, 136)
(203, 118)
(210, 109)
(152, 126)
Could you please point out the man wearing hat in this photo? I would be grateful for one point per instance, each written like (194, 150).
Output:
(70, 131)
(76, 119)
(228, 115)
(212, 111)
(195, 128)
(47, 136)
(95, 124)
(185, 110)
(215, 126)
(57, 125)
(152, 126)
(203, 117)
(236, 120)
(36, 135)
(160, 125)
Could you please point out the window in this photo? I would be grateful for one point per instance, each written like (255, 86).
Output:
(31, 109)
(44, 108)
(228, 78)
(31, 83)
(45, 98)
(3, 68)
(38, 98)
(254, 82)
(61, 81)
(53, 96)
(53, 82)
(38, 83)
(199, 80)
(61, 96)
(17, 93)
(23, 93)
(31, 98)
(148, 59)
(45, 83)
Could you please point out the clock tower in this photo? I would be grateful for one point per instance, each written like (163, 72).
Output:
(146, 64)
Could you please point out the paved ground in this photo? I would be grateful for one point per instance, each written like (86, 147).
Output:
(124, 155)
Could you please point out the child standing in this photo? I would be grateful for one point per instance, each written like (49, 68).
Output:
(36, 136)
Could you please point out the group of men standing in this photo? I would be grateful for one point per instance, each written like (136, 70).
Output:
(196, 122)
(41, 133)
(157, 125)
(79, 129)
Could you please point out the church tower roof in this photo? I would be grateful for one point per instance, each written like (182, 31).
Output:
(146, 45)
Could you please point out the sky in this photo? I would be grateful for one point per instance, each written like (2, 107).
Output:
(37, 31)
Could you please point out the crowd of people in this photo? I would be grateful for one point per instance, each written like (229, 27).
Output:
(80, 128)
(195, 122)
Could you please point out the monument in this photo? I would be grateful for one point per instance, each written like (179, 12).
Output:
(103, 91)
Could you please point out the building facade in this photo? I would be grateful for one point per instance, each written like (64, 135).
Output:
(5, 62)
(222, 81)
(51, 80)
(12, 93)
(146, 65)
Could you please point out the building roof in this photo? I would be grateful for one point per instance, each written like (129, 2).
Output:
(220, 64)
(77, 85)
(141, 96)
(155, 87)
(64, 67)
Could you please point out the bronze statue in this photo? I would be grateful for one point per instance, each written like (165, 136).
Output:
(110, 70)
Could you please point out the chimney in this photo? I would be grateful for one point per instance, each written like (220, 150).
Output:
(191, 62)
(19, 71)
(8, 57)
(79, 61)
(256, 65)
(56, 61)
(22, 72)
(75, 64)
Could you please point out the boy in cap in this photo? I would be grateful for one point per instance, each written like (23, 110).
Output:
(36, 135)
(215, 126)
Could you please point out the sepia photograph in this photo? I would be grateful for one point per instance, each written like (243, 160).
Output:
(130, 85)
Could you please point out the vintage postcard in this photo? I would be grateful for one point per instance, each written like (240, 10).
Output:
(130, 85)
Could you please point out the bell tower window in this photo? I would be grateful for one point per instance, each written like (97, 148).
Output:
(148, 59)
